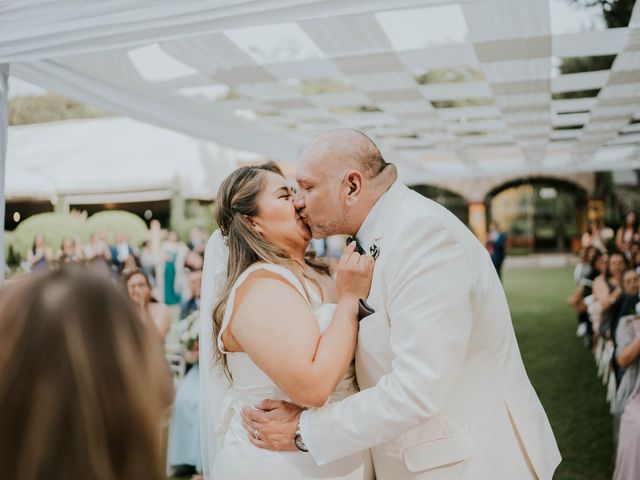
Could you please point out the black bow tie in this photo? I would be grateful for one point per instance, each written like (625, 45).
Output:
(359, 248)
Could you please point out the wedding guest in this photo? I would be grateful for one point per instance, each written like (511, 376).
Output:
(183, 455)
(174, 254)
(98, 250)
(634, 255)
(123, 254)
(150, 310)
(627, 234)
(69, 252)
(584, 268)
(630, 297)
(583, 275)
(594, 236)
(607, 290)
(84, 387)
(39, 255)
(148, 261)
(193, 260)
(197, 240)
(598, 276)
(497, 246)
(195, 287)
(627, 406)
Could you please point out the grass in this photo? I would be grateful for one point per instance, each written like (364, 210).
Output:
(562, 371)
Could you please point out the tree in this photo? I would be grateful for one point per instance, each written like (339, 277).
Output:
(616, 13)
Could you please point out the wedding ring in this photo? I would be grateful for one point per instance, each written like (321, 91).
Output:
(256, 434)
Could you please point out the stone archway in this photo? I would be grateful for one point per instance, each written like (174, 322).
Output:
(539, 213)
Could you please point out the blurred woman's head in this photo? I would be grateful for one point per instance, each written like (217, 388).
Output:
(617, 264)
(84, 385)
(38, 242)
(138, 286)
(600, 262)
(631, 220)
(68, 247)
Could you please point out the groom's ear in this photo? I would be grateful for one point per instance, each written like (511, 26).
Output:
(354, 185)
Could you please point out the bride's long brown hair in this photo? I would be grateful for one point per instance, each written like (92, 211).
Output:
(236, 202)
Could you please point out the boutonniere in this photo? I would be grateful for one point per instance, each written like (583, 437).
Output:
(374, 251)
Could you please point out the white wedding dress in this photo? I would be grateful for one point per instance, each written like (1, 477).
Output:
(237, 457)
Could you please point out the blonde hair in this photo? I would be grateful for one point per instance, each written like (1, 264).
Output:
(236, 202)
(84, 386)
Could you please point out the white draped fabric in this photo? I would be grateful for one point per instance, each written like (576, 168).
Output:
(501, 118)
(4, 96)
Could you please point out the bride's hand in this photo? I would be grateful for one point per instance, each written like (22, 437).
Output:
(354, 273)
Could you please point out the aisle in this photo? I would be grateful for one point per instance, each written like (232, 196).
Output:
(562, 371)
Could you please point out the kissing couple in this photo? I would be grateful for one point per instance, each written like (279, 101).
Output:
(403, 365)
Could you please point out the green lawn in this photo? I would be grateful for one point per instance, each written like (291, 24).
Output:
(562, 371)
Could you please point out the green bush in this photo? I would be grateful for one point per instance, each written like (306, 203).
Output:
(54, 227)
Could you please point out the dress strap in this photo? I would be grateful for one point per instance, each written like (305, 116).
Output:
(278, 270)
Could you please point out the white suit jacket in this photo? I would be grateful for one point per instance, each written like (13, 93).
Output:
(444, 392)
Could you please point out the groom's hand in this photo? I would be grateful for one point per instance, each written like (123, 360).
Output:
(272, 424)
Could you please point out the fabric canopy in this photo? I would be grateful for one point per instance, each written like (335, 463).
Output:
(481, 100)
(113, 160)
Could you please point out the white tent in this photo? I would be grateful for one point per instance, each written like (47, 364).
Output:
(113, 159)
(198, 67)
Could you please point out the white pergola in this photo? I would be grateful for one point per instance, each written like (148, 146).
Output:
(501, 120)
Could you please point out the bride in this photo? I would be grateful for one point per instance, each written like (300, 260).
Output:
(281, 329)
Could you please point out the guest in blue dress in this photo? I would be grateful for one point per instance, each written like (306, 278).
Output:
(184, 433)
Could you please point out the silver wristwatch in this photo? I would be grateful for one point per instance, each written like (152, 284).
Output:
(298, 440)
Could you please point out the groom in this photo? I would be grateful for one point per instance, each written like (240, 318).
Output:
(444, 393)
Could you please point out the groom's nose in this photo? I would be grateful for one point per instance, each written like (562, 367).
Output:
(298, 202)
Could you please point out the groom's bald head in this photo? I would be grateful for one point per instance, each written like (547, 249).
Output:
(345, 148)
(341, 175)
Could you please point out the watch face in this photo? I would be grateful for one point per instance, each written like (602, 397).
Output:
(300, 443)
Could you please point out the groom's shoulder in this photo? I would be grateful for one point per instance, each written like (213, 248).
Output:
(417, 207)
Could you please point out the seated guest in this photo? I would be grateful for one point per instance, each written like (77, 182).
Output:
(630, 297)
(594, 237)
(151, 311)
(627, 406)
(584, 267)
(627, 234)
(195, 286)
(607, 290)
(84, 386)
(634, 255)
